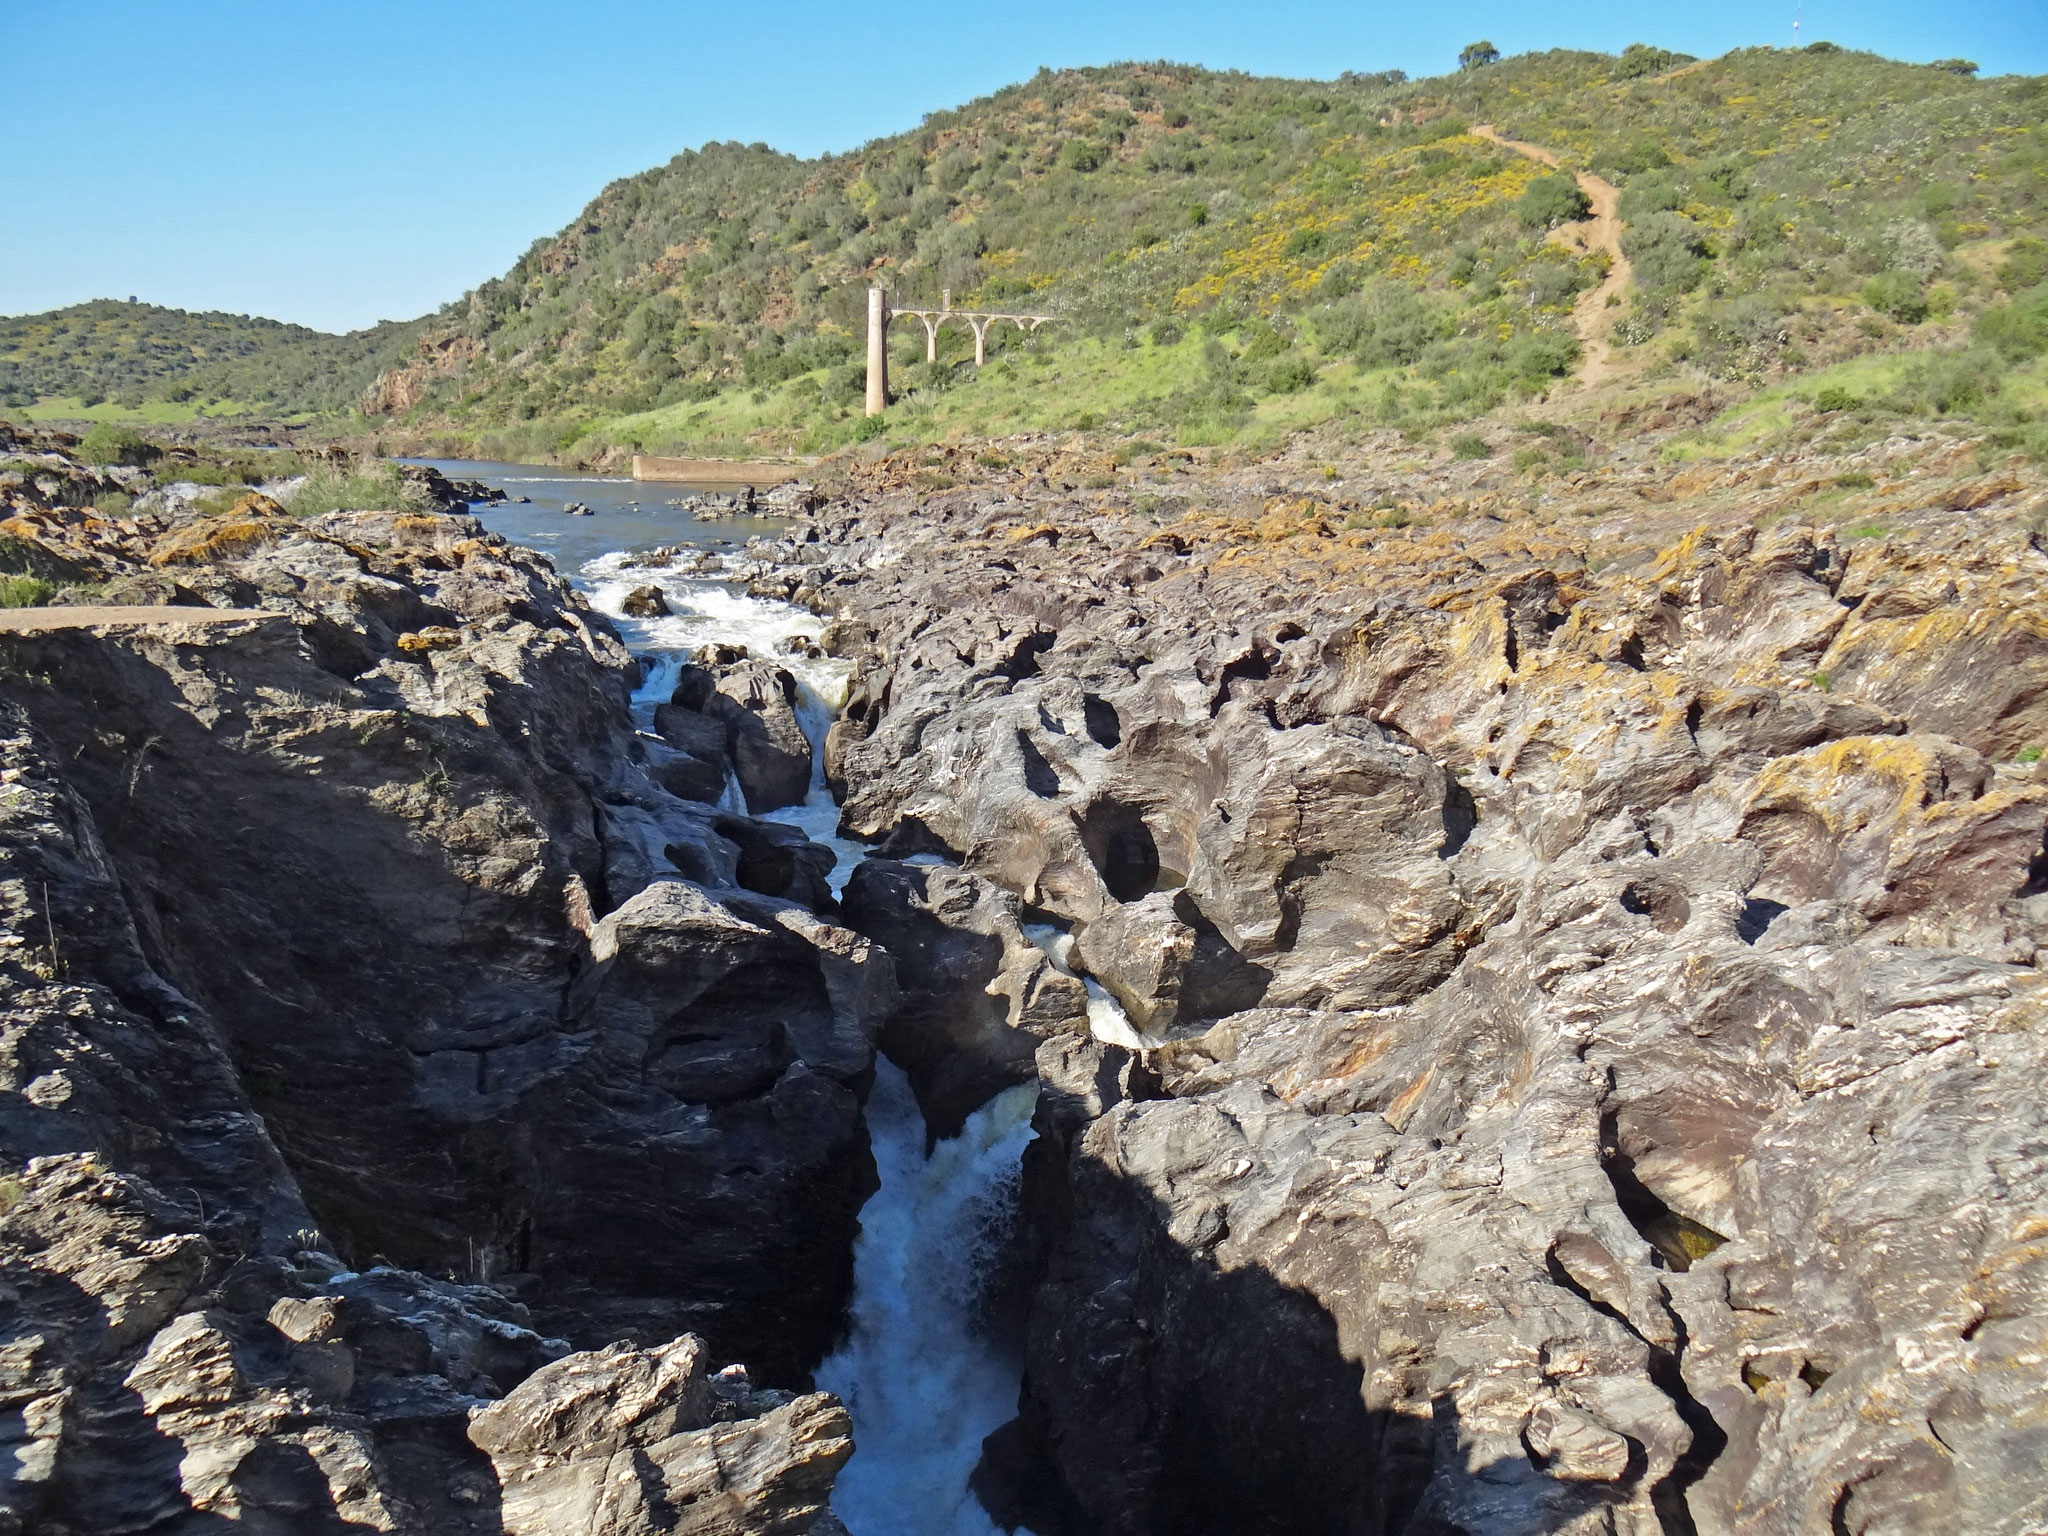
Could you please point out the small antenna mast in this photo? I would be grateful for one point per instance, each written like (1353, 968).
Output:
(1798, 12)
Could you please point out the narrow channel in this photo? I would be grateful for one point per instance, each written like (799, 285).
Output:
(921, 1379)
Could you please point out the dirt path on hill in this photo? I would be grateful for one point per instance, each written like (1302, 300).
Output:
(1602, 232)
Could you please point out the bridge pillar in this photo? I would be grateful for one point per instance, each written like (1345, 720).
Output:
(980, 340)
(878, 352)
(931, 337)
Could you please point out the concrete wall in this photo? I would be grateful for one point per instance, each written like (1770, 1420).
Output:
(760, 474)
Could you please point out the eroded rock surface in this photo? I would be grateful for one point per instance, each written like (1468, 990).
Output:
(1581, 950)
(1596, 958)
(356, 946)
(637, 1441)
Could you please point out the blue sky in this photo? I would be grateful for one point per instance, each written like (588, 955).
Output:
(339, 162)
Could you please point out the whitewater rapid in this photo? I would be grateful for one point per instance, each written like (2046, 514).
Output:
(707, 612)
(920, 1378)
(916, 1372)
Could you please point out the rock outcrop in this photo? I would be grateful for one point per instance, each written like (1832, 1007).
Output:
(1593, 956)
(1578, 955)
(645, 1441)
(352, 943)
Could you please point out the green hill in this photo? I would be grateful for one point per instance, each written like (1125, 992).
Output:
(1230, 258)
(1233, 255)
(110, 357)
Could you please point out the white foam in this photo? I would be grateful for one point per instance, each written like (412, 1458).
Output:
(704, 612)
(1107, 1020)
(923, 1386)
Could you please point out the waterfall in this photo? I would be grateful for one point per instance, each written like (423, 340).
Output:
(923, 1386)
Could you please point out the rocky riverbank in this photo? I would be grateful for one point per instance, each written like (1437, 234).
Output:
(366, 1053)
(1569, 1058)
(1592, 943)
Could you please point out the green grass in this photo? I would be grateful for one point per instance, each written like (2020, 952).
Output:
(1862, 399)
(1095, 384)
(154, 413)
(373, 487)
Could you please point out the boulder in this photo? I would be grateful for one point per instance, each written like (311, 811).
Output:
(698, 761)
(756, 703)
(645, 603)
(629, 1442)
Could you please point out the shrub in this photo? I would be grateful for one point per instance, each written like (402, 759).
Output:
(1948, 383)
(1912, 246)
(2025, 264)
(1639, 59)
(1668, 249)
(1082, 155)
(1551, 201)
(1387, 326)
(1470, 445)
(1835, 397)
(1643, 155)
(2019, 330)
(1261, 341)
(372, 487)
(1166, 333)
(1898, 295)
(113, 503)
(1543, 354)
(1290, 375)
(1552, 282)
(868, 428)
(1338, 281)
(25, 591)
(1305, 242)
(1647, 195)
(109, 444)
(1955, 66)
(1726, 178)
(1478, 55)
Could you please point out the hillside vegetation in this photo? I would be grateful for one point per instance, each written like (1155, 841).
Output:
(1232, 258)
(133, 357)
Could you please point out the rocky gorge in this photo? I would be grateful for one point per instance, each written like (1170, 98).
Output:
(1532, 995)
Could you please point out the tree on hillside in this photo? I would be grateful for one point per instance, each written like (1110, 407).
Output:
(1472, 55)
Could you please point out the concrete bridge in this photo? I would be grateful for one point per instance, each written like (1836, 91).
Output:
(880, 314)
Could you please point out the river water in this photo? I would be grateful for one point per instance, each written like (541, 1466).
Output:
(916, 1371)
